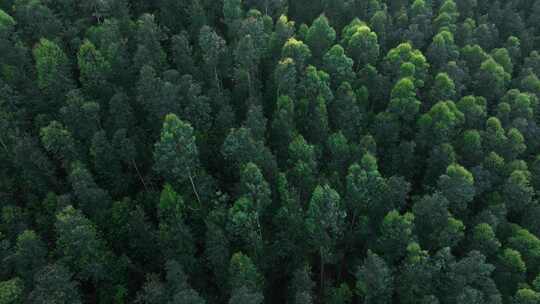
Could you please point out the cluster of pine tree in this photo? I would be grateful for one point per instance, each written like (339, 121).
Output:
(270, 151)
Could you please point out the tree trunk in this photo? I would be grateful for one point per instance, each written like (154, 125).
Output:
(194, 188)
(347, 246)
(139, 174)
(4, 145)
(321, 274)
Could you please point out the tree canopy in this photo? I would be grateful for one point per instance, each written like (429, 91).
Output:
(270, 151)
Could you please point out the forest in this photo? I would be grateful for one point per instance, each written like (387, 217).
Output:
(270, 151)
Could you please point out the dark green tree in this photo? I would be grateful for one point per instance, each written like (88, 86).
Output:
(54, 76)
(325, 219)
(374, 281)
(436, 227)
(176, 154)
(78, 246)
(320, 37)
(54, 285)
(29, 257)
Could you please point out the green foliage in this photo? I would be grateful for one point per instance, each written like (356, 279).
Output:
(405, 53)
(232, 13)
(436, 226)
(361, 43)
(338, 65)
(517, 191)
(491, 79)
(269, 151)
(484, 240)
(149, 51)
(245, 281)
(78, 245)
(442, 123)
(94, 71)
(11, 291)
(302, 286)
(6, 21)
(54, 285)
(442, 49)
(396, 234)
(528, 245)
(325, 220)
(320, 36)
(53, 70)
(176, 154)
(403, 101)
(443, 88)
(457, 185)
(374, 281)
(511, 270)
(29, 257)
(299, 52)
